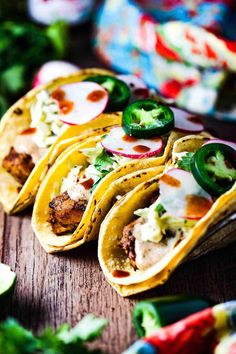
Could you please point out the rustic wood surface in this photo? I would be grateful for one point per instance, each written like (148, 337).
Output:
(52, 289)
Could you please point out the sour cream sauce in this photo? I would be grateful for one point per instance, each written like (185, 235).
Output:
(149, 253)
(24, 143)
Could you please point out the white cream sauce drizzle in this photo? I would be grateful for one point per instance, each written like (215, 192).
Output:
(149, 253)
(25, 144)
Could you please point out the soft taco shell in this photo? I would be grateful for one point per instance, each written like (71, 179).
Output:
(101, 199)
(17, 119)
(111, 255)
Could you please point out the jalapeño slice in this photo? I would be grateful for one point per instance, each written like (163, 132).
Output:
(214, 168)
(119, 92)
(147, 118)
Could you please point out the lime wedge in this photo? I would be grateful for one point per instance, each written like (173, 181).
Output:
(7, 283)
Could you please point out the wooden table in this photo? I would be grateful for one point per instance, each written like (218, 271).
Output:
(52, 289)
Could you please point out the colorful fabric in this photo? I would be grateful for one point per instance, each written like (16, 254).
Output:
(210, 331)
(184, 62)
(212, 15)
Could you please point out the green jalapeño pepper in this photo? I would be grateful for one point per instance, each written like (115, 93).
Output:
(119, 92)
(214, 168)
(147, 118)
(151, 315)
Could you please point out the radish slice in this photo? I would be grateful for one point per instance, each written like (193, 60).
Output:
(182, 196)
(81, 102)
(220, 141)
(138, 88)
(186, 122)
(118, 143)
(52, 70)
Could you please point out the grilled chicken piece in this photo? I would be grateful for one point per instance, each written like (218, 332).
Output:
(19, 165)
(128, 242)
(66, 213)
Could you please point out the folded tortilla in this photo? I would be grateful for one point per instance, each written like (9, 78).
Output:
(112, 257)
(118, 182)
(13, 196)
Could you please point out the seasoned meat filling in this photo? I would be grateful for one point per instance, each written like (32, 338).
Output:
(128, 242)
(144, 254)
(19, 165)
(65, 213)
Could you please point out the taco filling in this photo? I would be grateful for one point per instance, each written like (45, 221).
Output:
(66, 210)
(31, 144)
(19, 165)
(115, 149)
(155, 233)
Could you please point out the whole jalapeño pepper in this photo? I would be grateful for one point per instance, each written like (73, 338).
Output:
(151, 315)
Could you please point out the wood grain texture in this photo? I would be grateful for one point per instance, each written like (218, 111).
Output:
(52, 289)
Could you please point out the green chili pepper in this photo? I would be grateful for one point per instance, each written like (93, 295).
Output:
(214, 168)
(151, 315)
(119, 92)
(147, 118)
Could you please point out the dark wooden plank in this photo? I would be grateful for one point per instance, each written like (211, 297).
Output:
(2, 231)
(52, 289)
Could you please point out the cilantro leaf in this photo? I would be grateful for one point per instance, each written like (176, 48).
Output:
(103, 162)
(14, 339)
(89, 328)
(58, 34)
(159, 209)
(24, 47)
(13, 78)
(185, 161)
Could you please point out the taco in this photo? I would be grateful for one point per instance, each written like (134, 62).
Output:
(92, 172)
(80, 187)
(39, 126)
(153, 228)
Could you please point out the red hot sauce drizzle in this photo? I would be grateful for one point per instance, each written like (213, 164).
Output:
(141, 148)
(87, 184)
(66, 106)
(129, 138)
(96, 96)
(58, 95)
(171, 181)
(195, 119)
(28, 131)
(197, 206)
(120, 273)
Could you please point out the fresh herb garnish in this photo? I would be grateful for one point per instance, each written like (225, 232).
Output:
(159, 209)
(24, 47)
(185, 161)
(103, 162)
(14, 339)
